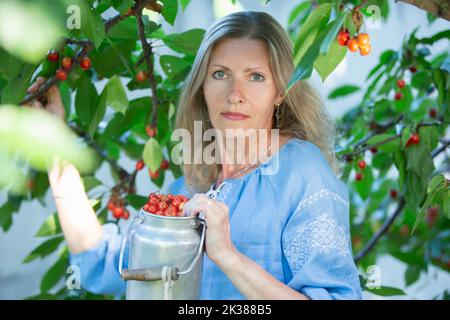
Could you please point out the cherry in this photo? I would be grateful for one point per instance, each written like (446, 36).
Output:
(363, 39)
(393, 193)
(126, 214)
(413, 69)
(66, 63)
(153, 175)
(52, 56)
(61, 75)
(118, 212)
(140, 165)
(404, 230)
(352, 45)
(373, 149)
(356, 241)
(151, 131)
(110, 206)
(165, 164)
(432, 215)
(398, 96)
(359, 176)
(401, 83)
(343, 37)
(432, 113)
(362, 164)
(85, 63)
(415, 138)
(365, 50)
(141, 76)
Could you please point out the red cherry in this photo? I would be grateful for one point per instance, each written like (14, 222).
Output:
(393, 193)
(110, 206)
(401, 83)
(85, 63)
(404, 230)
(126, 214)
(415, 138)
(398, 96)
(362, 164)
(153, 175)
(432, 113)
(165, 164)
(118, 212)
(61, 75)
(141, 76)
(432, 215)
(373, 150)
(359, 176)
(343, 37)
(151, 131)
(352, 45)
(413, 69)
(356, 241)
(140, 165)
(66, 63)
(52, 56)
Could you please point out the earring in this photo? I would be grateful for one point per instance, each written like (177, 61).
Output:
(277, 115)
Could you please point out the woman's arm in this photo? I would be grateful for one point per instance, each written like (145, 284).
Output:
(247, 276)
(79, 223)
(253, 281)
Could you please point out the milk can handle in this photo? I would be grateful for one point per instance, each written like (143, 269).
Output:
(137, 218)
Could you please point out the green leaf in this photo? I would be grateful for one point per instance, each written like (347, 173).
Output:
(38, 137)
(390, 146)
(122, 5)
(412, 274)
(126, 29)
(297, 10)
(419, 160)
(92, 24)
(430, 136)
(187, 42)
(50, 227)
(364, 186)
(99, 112)
(16, 89)
(6, 212)
(174, 66)
(309, 30)
(91, 182)
(136, 201)
(342, 91)
(108, 61)
(332, 34)
(152, 154)
(169, 10)
(10, 66)
(86, 99)
(386, 291)
(404, 104)
(184, 4)
(116, 95)
(325, 64)
(44, 249)
(55, 273)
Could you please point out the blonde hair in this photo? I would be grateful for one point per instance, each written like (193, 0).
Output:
(301, 114)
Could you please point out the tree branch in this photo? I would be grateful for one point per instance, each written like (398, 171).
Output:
(386, 225)
(438, 8)
(147, 50)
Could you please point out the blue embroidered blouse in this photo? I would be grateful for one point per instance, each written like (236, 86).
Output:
(290, 215)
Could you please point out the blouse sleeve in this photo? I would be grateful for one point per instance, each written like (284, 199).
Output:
(99, 266)
(316, 245)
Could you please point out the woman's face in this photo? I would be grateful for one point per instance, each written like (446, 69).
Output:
(240, 80)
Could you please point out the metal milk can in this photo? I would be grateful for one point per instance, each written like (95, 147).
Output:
(165, 257)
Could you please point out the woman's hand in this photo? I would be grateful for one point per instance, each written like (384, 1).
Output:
(217, 240)
(54, 103)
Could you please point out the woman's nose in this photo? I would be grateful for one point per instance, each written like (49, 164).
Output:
(235, 95)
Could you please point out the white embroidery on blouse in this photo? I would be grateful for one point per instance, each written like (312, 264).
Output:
(323, 233)
(319, 195)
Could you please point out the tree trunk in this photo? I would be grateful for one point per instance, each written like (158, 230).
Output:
(438, 8)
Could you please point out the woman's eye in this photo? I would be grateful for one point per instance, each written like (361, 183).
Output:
(219, 74)
(257, 77)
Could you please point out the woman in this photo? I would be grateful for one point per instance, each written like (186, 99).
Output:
(270, 236)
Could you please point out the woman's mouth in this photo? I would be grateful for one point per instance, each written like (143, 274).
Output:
(234, 116)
